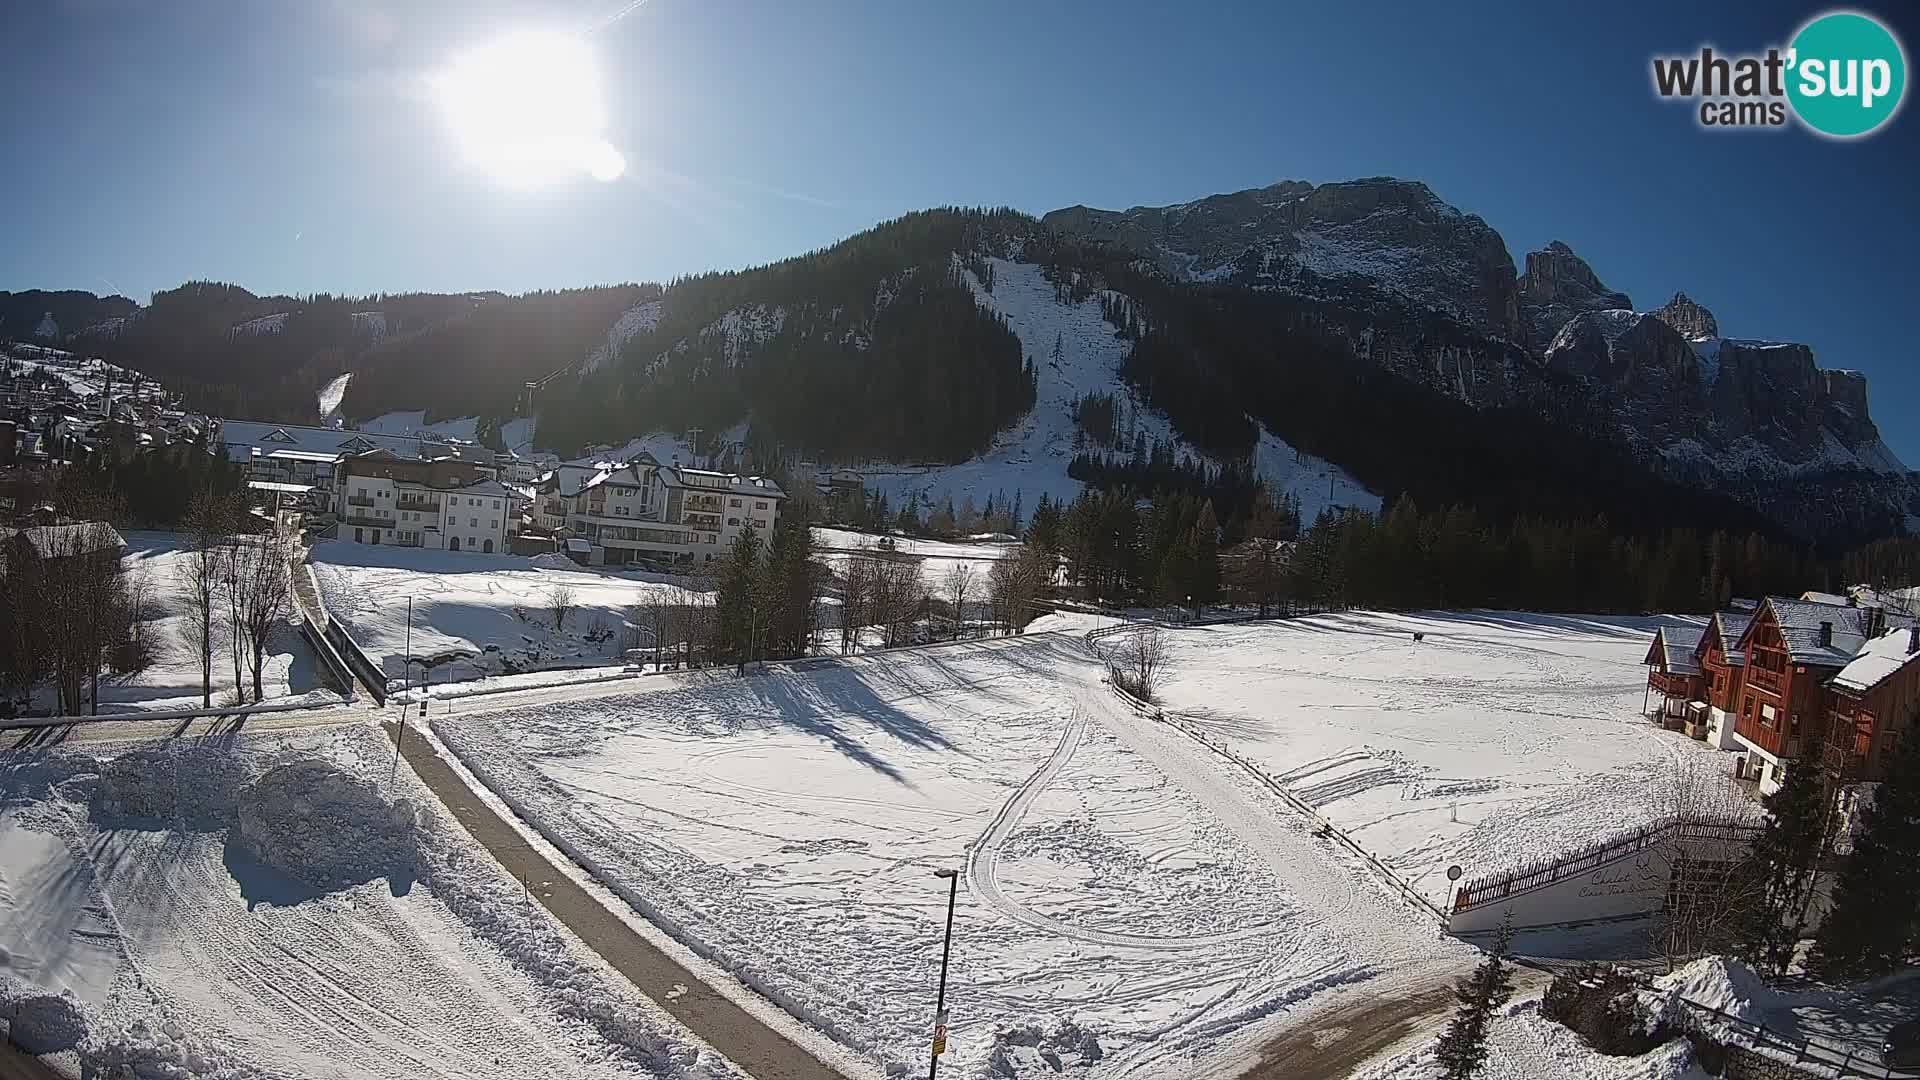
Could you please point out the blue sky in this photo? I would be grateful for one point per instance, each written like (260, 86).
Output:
(288, 147)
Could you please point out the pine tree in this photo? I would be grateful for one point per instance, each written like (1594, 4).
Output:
(1877, 901)
(735, 601)
(1464, 1045)
(1784, 860)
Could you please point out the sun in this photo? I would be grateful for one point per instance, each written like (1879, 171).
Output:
(529, 110)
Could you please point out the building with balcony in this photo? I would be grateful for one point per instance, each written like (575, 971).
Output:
(643, 512)
(1875, 701)
(1673, 672)
(443, 503)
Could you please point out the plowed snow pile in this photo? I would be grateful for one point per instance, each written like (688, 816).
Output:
(318, 824)
(214, 908)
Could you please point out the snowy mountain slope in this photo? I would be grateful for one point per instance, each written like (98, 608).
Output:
(330, 395)
(638, 319)
(1032, 457)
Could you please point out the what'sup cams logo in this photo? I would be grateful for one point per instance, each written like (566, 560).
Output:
(1843, 76)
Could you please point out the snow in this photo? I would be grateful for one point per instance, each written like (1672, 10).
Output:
(1031, 457)
(636, 320)
(1116, 881)
(414, 423)
(1882, 657)
(938, 558)
(330, 394)
(405, 947)
(474, 615)
(265, 324)
(373, 323)
(1501, 738)
(1708, 351)
(517, 435)
(154, 562)
(1524, 1045)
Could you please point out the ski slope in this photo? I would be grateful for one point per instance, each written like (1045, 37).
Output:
(216, 909)
(1031, 457)
(1116, 882)
(1501, 737)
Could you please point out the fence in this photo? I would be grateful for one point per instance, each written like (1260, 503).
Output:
(1801, 1055)
(370, 674)
(1539, 874)
(1322, 826)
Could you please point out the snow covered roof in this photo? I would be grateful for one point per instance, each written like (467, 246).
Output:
(1801, 623)
(60, 541)
(1725, 630)
(243, 438)
(1813, 597)
(484, 488)
(1673, 647)
(676, 476)
(1877, 662)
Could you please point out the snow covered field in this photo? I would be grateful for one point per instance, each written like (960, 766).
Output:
(172, 679)
(937, 558)
(1117, 885)
(255, 906)
(464, 608)
(1501, 737)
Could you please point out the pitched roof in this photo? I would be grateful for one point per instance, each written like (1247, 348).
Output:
(1878, 661)
(1675, 646)
(60, 541)
(759, 487)
(243, 437)
(1800, 624)
(1725, 630)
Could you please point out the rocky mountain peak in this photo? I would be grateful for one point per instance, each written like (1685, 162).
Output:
(1394, 238)
(1558, 286)
(1694, 322)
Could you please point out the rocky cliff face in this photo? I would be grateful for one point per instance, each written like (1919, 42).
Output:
(1694, 322)
(1557, 286)
(1393, 238)
(1429, 292)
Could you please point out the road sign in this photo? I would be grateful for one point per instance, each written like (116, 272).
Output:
(1454, 872)
(940, 1033)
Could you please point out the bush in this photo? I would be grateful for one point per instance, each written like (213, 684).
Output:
(1597, 1003)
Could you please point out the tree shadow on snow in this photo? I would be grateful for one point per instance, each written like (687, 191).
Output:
(834, 705)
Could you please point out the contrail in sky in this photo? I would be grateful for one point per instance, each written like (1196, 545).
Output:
(630, 7)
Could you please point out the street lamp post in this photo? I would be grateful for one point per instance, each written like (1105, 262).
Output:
(946, 952)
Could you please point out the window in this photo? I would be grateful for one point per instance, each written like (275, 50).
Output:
(473, 523)
(733, 502)
(733, 521)
(451, 522)
(494, 524)
(496, 504)
(760, 505)
(1768, 717)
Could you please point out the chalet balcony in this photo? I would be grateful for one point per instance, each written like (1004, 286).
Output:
(431, 506)
(352, 518)
(1773, 682)
(1671, 684)
(700, 521)
(359, 500)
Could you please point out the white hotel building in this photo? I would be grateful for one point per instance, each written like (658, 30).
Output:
(645, 512)
(443, 503)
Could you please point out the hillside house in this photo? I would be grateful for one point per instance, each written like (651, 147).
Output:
(442, 503)
(1874, 700)
(1825, 680)
(643, 512)
(310, 456)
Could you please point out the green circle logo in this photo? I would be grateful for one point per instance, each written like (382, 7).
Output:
(1846, 74)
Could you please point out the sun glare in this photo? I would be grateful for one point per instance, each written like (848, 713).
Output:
(528, 109)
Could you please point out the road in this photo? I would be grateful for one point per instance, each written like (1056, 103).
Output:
(747, 1041)
(736, 1033)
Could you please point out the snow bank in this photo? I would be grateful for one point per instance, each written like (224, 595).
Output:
(194, 787)
(317, 823)
(157, 1050)
(1031, 1051)
(46, 1023)
(1716, 981)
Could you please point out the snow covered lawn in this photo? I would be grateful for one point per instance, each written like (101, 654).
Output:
(788, 825)
(1499, 738)
(172, 680)
(261, 906)
(938, 558)
(475, 615)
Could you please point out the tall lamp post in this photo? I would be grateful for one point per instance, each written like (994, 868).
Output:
(940, 1007)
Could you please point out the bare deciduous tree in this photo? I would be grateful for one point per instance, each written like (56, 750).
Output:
(202, 581)
(856, 598)
(560, 602)
(899, 596)
(1014, 584)
(1142, 656)
(262, 597)
(959, 584)
(1713, 884)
